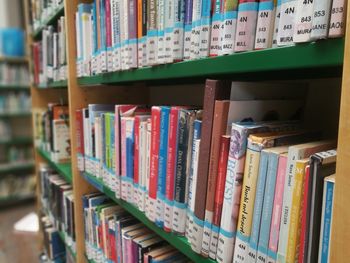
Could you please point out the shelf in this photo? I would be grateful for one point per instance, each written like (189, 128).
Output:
(49, 21)
(54, 85)
(17, 141)
(14, 60)
(317, 55)
(15, 199)
(13, 87)
(15, 114)
(62, 236)
(64, 169)
(177, 241)
(15, 168)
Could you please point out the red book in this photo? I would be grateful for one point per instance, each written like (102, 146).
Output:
(304, 216)
(136, 148)
(80, 131)
(108, 23)
(221, 178)
(153, 183)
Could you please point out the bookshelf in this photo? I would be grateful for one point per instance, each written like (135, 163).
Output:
(326, 58)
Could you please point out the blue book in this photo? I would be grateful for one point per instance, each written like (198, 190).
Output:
(162, 163)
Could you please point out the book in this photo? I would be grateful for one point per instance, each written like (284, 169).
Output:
(295, 153)
(337, 20)
(169, 24)
(161, 32)
(215, 43)
(228, 28)
(264, 24)
(320, 20)
(276, 23)
(303, 21)
(205, 25)
(326, 219)
(246, 25)
(178, 35)
(152, 25)
(286, 23)
(196, 26)
(188, 29)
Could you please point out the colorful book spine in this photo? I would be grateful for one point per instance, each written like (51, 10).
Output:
(276, 23)
(161, 33)
(188, 28)
(148, 209)
(183, 165)
(195, 32)
(215, 45)
(286, 23)
(162, 164)
(169, 29)
(103, 34)
(137, 163)
(140, 20)
(132, 35)
(178, 35)
(296, 208)
(277, 208)
(204, 44)
(111, 168)
(109, 35)
(327, 213)
(246, 25)
(228, 28)
(264, 27)
(320, 19)
(258, 206)
(219, 194)
(154, 164)
(303, 21)
(106, 145)
(123, 179)
(338, 19)
(152, 32)
(115, 11)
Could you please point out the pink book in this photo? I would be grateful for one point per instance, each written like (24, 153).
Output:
(277, 208)
(123, 158)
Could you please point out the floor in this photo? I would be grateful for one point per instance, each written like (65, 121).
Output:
(17, 247)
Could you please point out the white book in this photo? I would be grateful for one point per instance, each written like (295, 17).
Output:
(115, 13)
(338, 19)
(204, 45)
(215, 29)
(303, 21)
(188, 29)
(276, 23)
(195, 33)
(295, 153)
(124, 15)
(264, 27)
(98, 145)
(228, 31)
(169, 29)
(142, 165)
(286, 23)
(161, 32)
(148, 167)
(152, 33)
(179, 16)
(320, 20)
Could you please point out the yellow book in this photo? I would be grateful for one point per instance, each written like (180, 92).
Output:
(295, 216)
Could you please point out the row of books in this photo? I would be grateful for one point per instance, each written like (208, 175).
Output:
(41, 10)
(14, 74)
(49, 54)
(13, 102)
(113, 235)
(17, 186)
(58, 203)
(185, 167)
(17, 154)
(117, 35)
(51, 131)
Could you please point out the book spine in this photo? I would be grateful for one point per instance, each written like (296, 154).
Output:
(277, 209)
(106, 144)
(188, 28)
(215, 29)
(132, 40)
(117, 131)
(273, 166)
(204, 47)
(109, 35)
(154, 168)
(219, 129)
(195, 32)
(303, 21)
(179, 18)
(162, 164)
(276, 23)
(136, 160)
(139, 33)
(142, 165)
(161, 33)
(80, 139)
(169, 29)
(246, 25)
(286, 23)
(228, 28)
(152, 32)
(264, 27)
(112, 158)
(258, 207)
(170, 172)
(117, 35)
(295, 216)
(148, 169)
(219, 194)
(320, 19)
(129, 136)
(338, 18)
(180, 202)
(123, 179)
(326, 222)
(144, 31)
(245, 217)
(304, 216)
(103, 29)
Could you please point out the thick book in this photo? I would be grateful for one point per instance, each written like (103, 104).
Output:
(264, 24)
(303, 21)
(320, 19)
(195, 32)
(286, 23)
(215, 44)
(152, 32)
(228, 28)
(178, 36)
(295, 153)
(204, 42)
(161, 32)
(188, 28)
(169, 23)
(338, 19)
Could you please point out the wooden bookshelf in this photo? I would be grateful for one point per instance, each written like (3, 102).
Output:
(320, 60)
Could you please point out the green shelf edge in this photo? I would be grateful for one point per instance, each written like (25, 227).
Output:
(64, 170)
(13, 87)
(15, 114)
(62, 235)
(17, 168)
(49, 21)
(17, 141)
(54, 85)
(322, 54)
(178, 242)
(13, 199)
